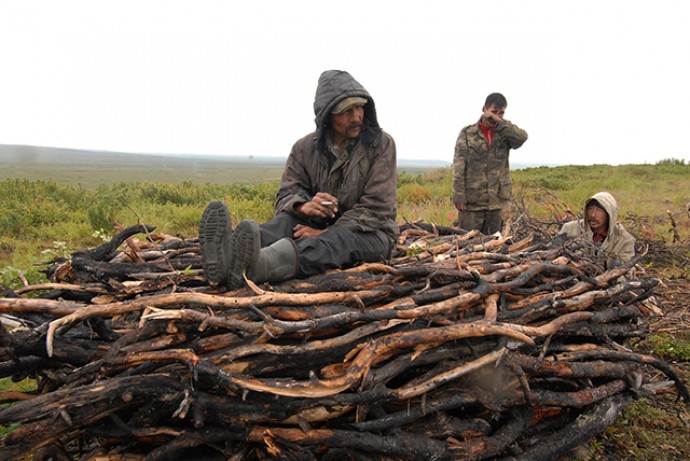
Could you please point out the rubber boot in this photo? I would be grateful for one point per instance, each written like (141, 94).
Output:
(276, 262)
(215, 242)
(271, 264)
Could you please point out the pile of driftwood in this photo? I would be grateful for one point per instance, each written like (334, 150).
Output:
(463, 346)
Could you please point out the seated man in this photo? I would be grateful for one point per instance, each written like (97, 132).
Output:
(336, 204)
(599, 227)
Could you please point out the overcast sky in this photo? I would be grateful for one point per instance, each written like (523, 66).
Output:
(590, 81)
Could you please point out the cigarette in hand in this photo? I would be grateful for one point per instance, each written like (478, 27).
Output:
(326, 203)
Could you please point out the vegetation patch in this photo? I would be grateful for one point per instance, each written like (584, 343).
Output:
(648, 430)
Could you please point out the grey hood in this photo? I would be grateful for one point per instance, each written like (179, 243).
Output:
(333, 87)
(608, 203)
(618, 246)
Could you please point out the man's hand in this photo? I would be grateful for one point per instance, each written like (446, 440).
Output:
(490, 118)
(300, 230)
(460, 206)
(322, 205)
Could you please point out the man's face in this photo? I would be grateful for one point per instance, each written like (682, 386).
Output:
(492, 114)
(597, 218)
(348, 125)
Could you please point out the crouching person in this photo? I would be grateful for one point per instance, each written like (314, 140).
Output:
(336, 204)
(600, 228)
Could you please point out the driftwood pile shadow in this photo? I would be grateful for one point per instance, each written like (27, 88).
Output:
(462, 346)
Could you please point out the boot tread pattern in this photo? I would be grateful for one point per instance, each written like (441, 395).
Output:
(244, 248)
(213, 227)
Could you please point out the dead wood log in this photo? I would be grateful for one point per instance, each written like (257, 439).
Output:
(630, 357)
(413, 413)
(435, 229)
(581, 302)
(39, 306)
(346, 280)
(417, 389)
(601, 281)
(211, 439)
(324, 344)
(370, 355)
(64, 412)
(396, 366)
(73, 350)
(476, 396)
(138, 305)
(485, 255)
(88, 270)
(105, 251)
(575, 399)
(443, 426)
(586, 426)
(493, 445)
(404, 446)
(99, 289)
(591, 369)
(457, 345)
(531, 272)
(52, 452)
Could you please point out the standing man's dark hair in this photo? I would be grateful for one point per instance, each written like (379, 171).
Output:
(336, 205)
(482, 189)
(496, 99)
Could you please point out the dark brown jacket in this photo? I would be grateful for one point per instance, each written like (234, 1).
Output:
(366, 195)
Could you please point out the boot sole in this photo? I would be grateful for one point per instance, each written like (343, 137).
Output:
(214, 227)
(246, 243)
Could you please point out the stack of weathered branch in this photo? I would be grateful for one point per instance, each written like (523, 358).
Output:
(463, 346)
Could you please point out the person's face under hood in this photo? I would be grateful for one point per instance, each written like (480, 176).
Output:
(597, 218)
(347, 125)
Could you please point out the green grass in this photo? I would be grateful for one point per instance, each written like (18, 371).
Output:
(25, 385)
(38, 213)
(669, 347)
(92, 176)
(6, 384)
(647, 431)
(642, 189)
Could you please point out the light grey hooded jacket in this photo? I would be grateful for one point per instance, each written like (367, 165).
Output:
(619, 243)
(367, 193)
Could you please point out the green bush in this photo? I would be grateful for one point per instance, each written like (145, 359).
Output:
(671, 162)
(556, 181)
(407, 178)
(413, 193)
(669, 347)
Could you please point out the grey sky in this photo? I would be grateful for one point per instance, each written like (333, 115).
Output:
(590, 81)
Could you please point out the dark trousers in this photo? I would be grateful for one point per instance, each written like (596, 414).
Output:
(334, 249)
(485, 221)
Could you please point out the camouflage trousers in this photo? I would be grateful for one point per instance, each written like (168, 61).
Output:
(485, 221)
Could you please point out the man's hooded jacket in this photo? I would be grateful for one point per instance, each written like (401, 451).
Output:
(364, 183)
(619, 243)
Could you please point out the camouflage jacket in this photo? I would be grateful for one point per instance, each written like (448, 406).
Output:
(481, 176)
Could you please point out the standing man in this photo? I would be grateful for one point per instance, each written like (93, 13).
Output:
(336, 204)
(482, 188)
